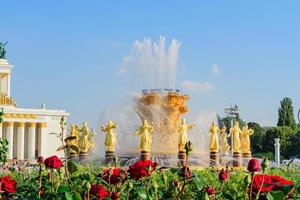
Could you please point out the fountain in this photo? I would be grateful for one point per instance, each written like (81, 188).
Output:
(152, 67)
(156, 116)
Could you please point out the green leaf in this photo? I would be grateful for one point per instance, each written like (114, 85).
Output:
(228, 196)
(197, 182)
(286, 188)
(204, 196)
(143, 194)
(76, 196)
(68, 196)
(62, 189)
(275, 195)
(72, 166)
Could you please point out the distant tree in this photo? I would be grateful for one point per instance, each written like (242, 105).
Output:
(257, 138)
(294, 148)
(286, 113)
(285, 134)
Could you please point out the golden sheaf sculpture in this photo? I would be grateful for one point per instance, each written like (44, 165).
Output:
(164, 109)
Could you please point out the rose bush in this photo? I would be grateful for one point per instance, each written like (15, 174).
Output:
(143, 180)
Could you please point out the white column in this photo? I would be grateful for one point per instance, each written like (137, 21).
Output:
(42, 141)
(20, 142)
(31, 141)
(8, 84)
(10, 138)
(277, 152)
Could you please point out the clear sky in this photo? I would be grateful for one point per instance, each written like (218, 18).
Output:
(68, 53)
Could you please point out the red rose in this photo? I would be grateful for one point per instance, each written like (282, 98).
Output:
(210, 191)
(253, 165)
(98, 191)
(40, 160)
(268, 183)
(263, 182)
(223, 175)
(112, 176)
(185, 171)
(53, 162)
(141, 168)
(115, 196)
(8, 185)
(41, 192)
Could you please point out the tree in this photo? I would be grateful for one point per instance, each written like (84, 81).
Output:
(3, 151)
(257, 137)
(286, 113)
(285, 134)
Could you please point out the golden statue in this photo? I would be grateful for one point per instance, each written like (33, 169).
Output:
(110, 138)
(224, 143)
(92, 139)
(235, 133)
(183, 138)
(74, 132)
(145, 132)
(214, 140)
(84, 143)
(245, 139)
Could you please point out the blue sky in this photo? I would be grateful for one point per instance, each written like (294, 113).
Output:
(68, 53)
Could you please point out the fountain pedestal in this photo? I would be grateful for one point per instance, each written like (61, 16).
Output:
(246, 157)
(145, 155)
(214, 158)
(182, 158)
(109, 156)
(73, 156)
(237, 159)
(224, 159)
(83, 156)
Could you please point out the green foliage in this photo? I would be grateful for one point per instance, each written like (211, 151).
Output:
(3, 150)
(284, 133)
(160, 185)
(286, 113)
(257, 137)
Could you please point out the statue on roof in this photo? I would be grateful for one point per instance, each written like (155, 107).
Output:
(2, 50)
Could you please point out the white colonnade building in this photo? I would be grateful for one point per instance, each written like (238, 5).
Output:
(27, 130)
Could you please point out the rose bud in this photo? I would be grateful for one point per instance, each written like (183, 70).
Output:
(41, 160)
(247, 180)
(265, 164)
(210, 191)
(223, 175)
(115, 196)
(188, 147)
(253, 166)
(175, 183)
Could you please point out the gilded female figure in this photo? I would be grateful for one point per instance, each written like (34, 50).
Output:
(183, 138)
(145, 132)
(214, 140)
(245, 139)
(236, 131)
(110, 138)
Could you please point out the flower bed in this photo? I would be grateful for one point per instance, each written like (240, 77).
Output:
(146, 180)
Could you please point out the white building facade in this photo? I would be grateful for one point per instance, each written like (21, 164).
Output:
(28, 131)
